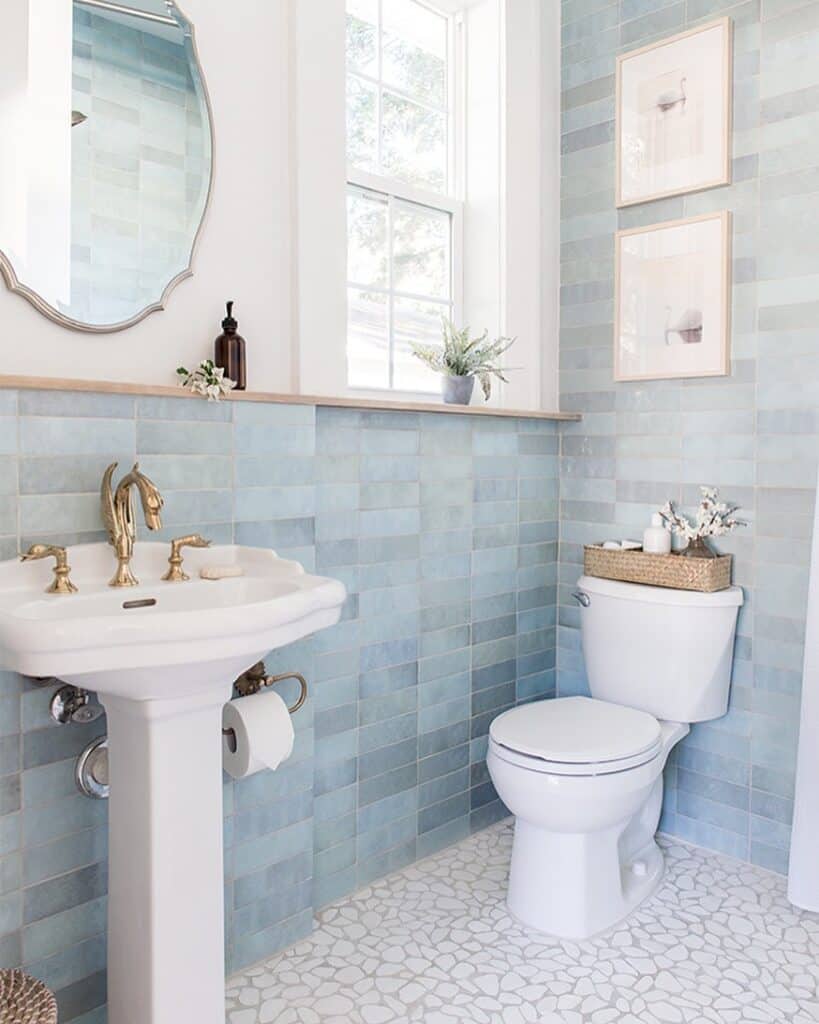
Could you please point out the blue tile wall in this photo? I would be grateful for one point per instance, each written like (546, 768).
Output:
(754, 434)
(444, 529)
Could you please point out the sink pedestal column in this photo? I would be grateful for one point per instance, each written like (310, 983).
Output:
(166, 959)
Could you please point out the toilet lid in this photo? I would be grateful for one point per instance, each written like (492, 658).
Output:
(576, 730)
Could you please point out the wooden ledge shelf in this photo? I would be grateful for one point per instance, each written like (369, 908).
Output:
(11, 382)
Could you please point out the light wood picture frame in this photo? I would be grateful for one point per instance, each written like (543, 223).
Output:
(672, 285)
(674, 109)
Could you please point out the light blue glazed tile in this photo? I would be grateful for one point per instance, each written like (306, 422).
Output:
(390, 730)
(75, 404)
(8, 475)
(392, 469)
(170, 438)
(389, 523)
(331, 498)
(71, 474)
(261, 439)
(393, 442)
(333, 440)
(258, 503)
(50, 514)
(272, 848)
(274, 416)
(40, 435)
(389, 627)
(149, 407)
(443, 689)
(389, 495)
(197, 507)
(390, 809)
(277, 534)
(272, 471)
(50, 936)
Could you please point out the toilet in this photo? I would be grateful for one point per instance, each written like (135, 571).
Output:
(584, 775)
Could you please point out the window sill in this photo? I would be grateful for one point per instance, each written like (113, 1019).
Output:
(111, 387)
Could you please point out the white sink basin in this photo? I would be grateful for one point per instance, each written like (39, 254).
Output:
(102, 639)
(163, 658)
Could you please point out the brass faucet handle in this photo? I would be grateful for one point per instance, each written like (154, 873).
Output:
(175, 573)
(62, 570)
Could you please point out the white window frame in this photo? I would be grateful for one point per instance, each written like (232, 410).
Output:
(509, 279)
(396, 191)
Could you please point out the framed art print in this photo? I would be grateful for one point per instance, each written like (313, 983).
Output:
(674, 102)
(673, 299)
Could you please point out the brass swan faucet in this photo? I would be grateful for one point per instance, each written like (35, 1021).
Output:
(118, 516)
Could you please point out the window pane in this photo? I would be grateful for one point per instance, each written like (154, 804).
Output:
(367, 256)
(422, 241)
(362, 124)
(362, 36)
(413, 143)
(414, 57)
(418, 322)
(368, 346)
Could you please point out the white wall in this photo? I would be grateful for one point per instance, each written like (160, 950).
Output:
(245, 249)
(550, 99)
(320, 195)
(13, 108)
(266, 97)
(47, 149)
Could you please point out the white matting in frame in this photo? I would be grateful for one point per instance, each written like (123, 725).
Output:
(674, 103)
(673, 299)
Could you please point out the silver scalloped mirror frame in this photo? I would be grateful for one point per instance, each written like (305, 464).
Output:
(18, 288)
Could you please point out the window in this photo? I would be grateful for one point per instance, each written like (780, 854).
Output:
(403, 217)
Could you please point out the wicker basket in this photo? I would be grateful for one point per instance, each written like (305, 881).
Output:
(24, 1000)
(704, 574)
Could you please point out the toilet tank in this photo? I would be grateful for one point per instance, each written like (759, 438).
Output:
(668, 652)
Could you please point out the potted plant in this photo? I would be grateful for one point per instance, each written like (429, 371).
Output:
(714, 519)
(461, 359)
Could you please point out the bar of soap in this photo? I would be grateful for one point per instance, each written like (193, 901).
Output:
(631, 545)
(220, 572)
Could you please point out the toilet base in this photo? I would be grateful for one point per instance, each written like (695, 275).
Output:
(574, 886)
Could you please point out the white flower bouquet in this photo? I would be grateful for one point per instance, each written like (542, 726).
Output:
(207, 380)
(714, 519)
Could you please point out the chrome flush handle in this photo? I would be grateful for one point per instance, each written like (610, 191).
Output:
(582, 599)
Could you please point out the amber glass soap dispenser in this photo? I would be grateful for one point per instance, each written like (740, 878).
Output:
(230, 351)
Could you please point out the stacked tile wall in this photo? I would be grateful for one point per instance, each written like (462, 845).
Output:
(444, 529)
(753, 434)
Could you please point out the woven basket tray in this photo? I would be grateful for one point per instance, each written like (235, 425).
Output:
(704, 574)
(24, 1000)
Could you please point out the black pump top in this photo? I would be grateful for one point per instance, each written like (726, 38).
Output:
(230, 324)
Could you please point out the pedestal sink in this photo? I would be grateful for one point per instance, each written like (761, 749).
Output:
(162, 657)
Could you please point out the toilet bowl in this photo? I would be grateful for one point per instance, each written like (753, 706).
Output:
(583, 775)
(584, 852)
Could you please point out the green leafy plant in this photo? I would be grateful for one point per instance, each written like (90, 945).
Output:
(462, 356)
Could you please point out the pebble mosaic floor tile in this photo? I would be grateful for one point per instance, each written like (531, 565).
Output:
(718, 943)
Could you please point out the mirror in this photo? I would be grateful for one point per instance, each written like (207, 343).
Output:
(107, 156)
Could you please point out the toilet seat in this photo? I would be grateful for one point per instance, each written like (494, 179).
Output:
(576, 736)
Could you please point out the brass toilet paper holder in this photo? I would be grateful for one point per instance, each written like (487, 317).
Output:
(254, 681)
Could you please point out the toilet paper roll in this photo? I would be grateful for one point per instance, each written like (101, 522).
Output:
(264, 734)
